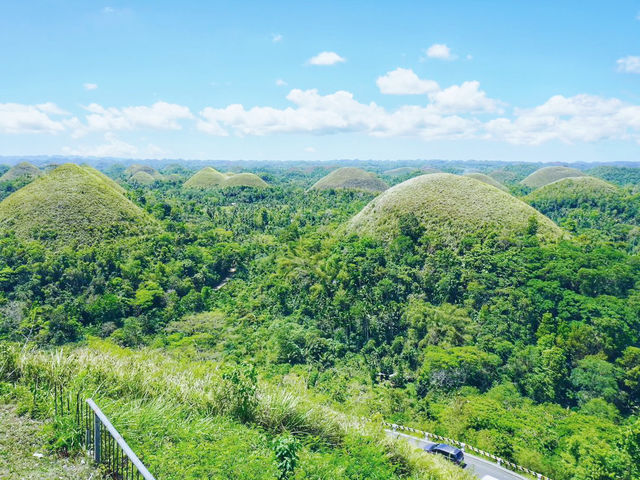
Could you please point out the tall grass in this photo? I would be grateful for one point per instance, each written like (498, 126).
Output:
(156, 384)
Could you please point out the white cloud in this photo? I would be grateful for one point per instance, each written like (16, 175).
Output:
(581, 118)
(440, 51)
(464, 98)
(280, 83)
(338, 112)
(90, 86)
(276, 37)
(310, 149)
(326, 58)
(404, 81)
(629, 64)
(159, 116)
(18, 118)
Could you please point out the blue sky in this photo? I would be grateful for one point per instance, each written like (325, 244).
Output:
(503, 80)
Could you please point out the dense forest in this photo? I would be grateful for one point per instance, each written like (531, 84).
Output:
(523, 341)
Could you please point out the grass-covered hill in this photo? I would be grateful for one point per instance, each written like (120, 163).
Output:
(350, 178)
(448, 207)
(71, 204)
(504, 176)
(244, 180)
(209, 178)
(487, 179)
(142, 178)
(546, 175)
(572, 190)
(21, 170)
(206, 178)
(135, 168)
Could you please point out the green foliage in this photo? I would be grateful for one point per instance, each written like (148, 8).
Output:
(285, 448)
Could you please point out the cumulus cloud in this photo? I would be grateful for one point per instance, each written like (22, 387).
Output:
(629, 64)
(338, 112)
(581, 118)
(18, 118)
(326, 58)
(466, 97)
(280, 83)
(404, 81)
(90, 86)
(440, 51)
(159, 116)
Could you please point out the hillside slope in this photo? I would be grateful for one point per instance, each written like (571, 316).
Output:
(350, 178)
(21, 170)
(488, 180)
(448, 207)
(71, 204)
(206, 178)
(546, 175)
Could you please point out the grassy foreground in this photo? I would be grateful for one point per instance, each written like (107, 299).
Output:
(24, 452)
(207, 420)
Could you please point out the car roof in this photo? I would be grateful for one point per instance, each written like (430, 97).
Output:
(443, 447)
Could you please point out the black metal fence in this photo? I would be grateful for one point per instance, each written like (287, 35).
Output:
(100, 438)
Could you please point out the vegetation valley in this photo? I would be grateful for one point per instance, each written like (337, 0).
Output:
(224, 313)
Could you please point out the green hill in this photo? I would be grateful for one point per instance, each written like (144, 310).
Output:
(142, 178)
(244, 180)
(21, 170)
(350, 178)
(206, 178)
(572, 191)
(135, 168)
(104, 178)
(71, 204)
(504, 176)
(449, 207)
(546, 175)
(487, 179)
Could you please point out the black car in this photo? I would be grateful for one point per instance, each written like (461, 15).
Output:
(450, 453)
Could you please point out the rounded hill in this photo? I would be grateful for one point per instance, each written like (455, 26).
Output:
(71, 204)
(21, 170)
(142, 178)
(449, 207)
(547, 175)
(350, 178)
(206, 178)
(135, 168)
(487, 179)
(244, 180)
(572, 192)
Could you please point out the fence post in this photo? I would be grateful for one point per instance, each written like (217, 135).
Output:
(96, 438)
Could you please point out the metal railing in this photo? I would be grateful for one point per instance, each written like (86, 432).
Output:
(108, 447)
(100, 438)
(500, 461)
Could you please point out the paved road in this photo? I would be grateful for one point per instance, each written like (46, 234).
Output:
(481, 468)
